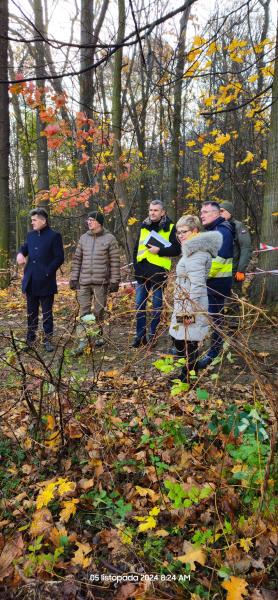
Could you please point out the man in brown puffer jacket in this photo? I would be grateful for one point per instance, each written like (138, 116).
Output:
(95, 271)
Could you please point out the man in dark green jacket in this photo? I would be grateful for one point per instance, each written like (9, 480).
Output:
(242, 242)
(241, 256)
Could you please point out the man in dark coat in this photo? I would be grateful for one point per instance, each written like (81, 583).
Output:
(156, 245)
(219, 282)
(44, 249)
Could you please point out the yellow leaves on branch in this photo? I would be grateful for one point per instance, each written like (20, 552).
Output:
(236, 588)
(268, 71)
(223, 138)
(219, 157)
(192, 69)
(235, 44)
(252, 78)
(148, 522)
(192, 554)
(199, 41)
(132, 220)
(260, 47)
(213, 149)
(264, 164)
(209, 101)
(248, 158)
(212, 49)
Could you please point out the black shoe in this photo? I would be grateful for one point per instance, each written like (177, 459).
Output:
(30, 345)
(152, 340)
(141, 341)
(48, 346)
(204, 362)
(176, 353)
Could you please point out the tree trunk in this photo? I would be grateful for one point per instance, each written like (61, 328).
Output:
(175, 138)
(42, 151)
(88, 35)
(265, 287)
(120, 188)
(4, 149)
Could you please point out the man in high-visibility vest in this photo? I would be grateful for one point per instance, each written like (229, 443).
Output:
(152, 263)
(219, 282)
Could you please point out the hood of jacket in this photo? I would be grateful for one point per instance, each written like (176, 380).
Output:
(208, 241)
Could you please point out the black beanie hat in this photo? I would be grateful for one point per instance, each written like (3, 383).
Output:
(98, 216)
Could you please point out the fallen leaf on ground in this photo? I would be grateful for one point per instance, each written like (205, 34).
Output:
(193, 554)
(12, 549)
(236, 588)
(42, 522)
(125, 591)
(68, 510)
(80, 556)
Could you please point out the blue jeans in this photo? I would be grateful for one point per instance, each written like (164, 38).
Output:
(142, 292)
(216, 311)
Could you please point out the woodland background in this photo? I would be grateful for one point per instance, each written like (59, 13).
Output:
(106, 467)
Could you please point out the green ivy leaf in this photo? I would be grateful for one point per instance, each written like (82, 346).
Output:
(202, 394)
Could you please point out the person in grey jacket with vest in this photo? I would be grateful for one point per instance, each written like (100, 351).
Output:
(189, 323)
(95, 271)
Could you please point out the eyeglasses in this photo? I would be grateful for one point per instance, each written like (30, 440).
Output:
(182, 232)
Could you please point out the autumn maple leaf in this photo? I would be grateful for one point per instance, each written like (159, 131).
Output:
(236, 588)
(80, 556)
(193, 554)
(68, 510)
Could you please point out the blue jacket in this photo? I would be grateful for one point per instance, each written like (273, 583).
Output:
(45, 253)
(223, 282)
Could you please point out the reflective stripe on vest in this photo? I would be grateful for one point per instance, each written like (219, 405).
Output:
(154, 259)
(221, 267)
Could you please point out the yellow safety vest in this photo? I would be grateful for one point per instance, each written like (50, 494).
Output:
(221, 267)
(143, 252)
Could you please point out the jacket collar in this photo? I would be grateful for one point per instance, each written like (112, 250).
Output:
(93, 234)
(164, 223)
(214, 223)
(208, 241)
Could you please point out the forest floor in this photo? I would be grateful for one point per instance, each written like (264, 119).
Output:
(117, 483)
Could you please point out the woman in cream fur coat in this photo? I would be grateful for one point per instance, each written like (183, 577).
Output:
(189, 323)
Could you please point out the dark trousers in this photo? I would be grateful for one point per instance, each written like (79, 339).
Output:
(142, 293)
(33, 304)
(216, 311)
(188, 350)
